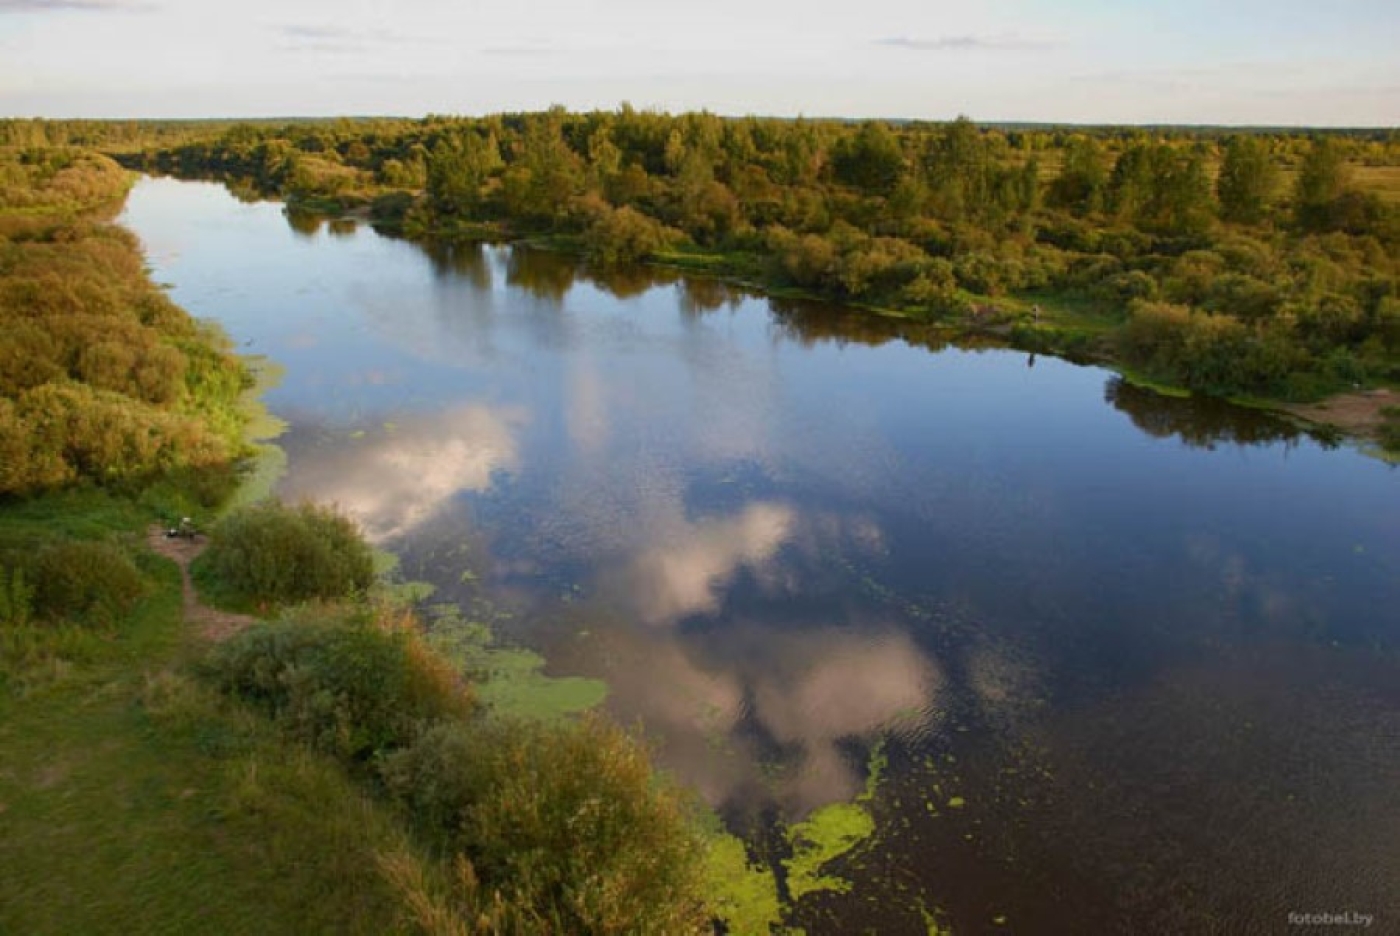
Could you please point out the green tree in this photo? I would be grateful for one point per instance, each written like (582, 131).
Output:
(1324, 178)
(1083, 180)
(1161, 188)
(457, 169)
(870, 159)
(546, 175)
(958, 167)
(1247, 180)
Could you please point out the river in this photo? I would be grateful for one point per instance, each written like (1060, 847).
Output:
(1131, 660)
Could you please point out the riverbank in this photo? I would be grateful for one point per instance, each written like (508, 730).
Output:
(1073, 326)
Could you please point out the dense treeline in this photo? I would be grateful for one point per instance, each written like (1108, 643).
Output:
(102, 377)
(1229, 262)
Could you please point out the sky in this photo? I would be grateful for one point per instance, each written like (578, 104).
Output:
(1235, 62)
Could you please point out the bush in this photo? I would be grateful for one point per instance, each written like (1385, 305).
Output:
(352, 688)
(564, 820)
(625, 235)
(85, 582)
(1126, 286)
(272, 553)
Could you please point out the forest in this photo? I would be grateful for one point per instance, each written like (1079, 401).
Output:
(1259, 263)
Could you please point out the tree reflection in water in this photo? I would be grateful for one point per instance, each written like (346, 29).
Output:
(1203, 422)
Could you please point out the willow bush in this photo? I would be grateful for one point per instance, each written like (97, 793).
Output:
(344, 683)
(272, 554)
(566, 823)
(89, 582)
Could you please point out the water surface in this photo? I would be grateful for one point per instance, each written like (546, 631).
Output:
(1133, 659)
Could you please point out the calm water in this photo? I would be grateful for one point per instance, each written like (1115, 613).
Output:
(1149, 645)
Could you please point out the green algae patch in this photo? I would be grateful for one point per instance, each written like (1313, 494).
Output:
(744, 895)
(511, 680)
(261, 425)
(267, 463)
(514, 684)
(826, 835)
(830, 833)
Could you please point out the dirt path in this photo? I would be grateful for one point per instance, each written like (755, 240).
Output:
(212, 623)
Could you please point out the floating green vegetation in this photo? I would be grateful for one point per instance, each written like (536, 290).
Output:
(932, 926)
(509, 679)
(515, 685)
(746, 895)
(389, 587)
(827, 834)
(831, 832)
(262, 425)
(268, 462)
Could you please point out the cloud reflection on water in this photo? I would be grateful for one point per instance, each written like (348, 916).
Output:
(762, 716)
(400, 475)
(687, 571)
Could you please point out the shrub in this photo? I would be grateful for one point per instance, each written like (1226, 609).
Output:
(352, 688)
(85, 582)
(625, 235)
(272, 553)
(566, 819)
(1126, 286)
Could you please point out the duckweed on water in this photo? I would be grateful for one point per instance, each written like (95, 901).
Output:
(509, 679)
(746, 895)
(831, 832)
(827, 834)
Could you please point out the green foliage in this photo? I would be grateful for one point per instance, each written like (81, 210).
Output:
(1083, 180)
(870, 160)
(624, 235)
(93, 583)
(1323, 179)
(137, 801)
(1213, 354)
(271, 553)
(16, 597)
(1161, 189)
(567, 823)
(1247, 180)
(356, 689)
(102, 378)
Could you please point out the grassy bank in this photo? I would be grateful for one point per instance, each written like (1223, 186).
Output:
(133, 799)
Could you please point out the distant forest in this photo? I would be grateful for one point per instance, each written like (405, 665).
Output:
(1232, 262)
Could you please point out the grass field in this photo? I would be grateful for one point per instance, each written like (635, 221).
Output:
(133, 800)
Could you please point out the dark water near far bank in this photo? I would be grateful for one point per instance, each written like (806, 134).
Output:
(1134, 659)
